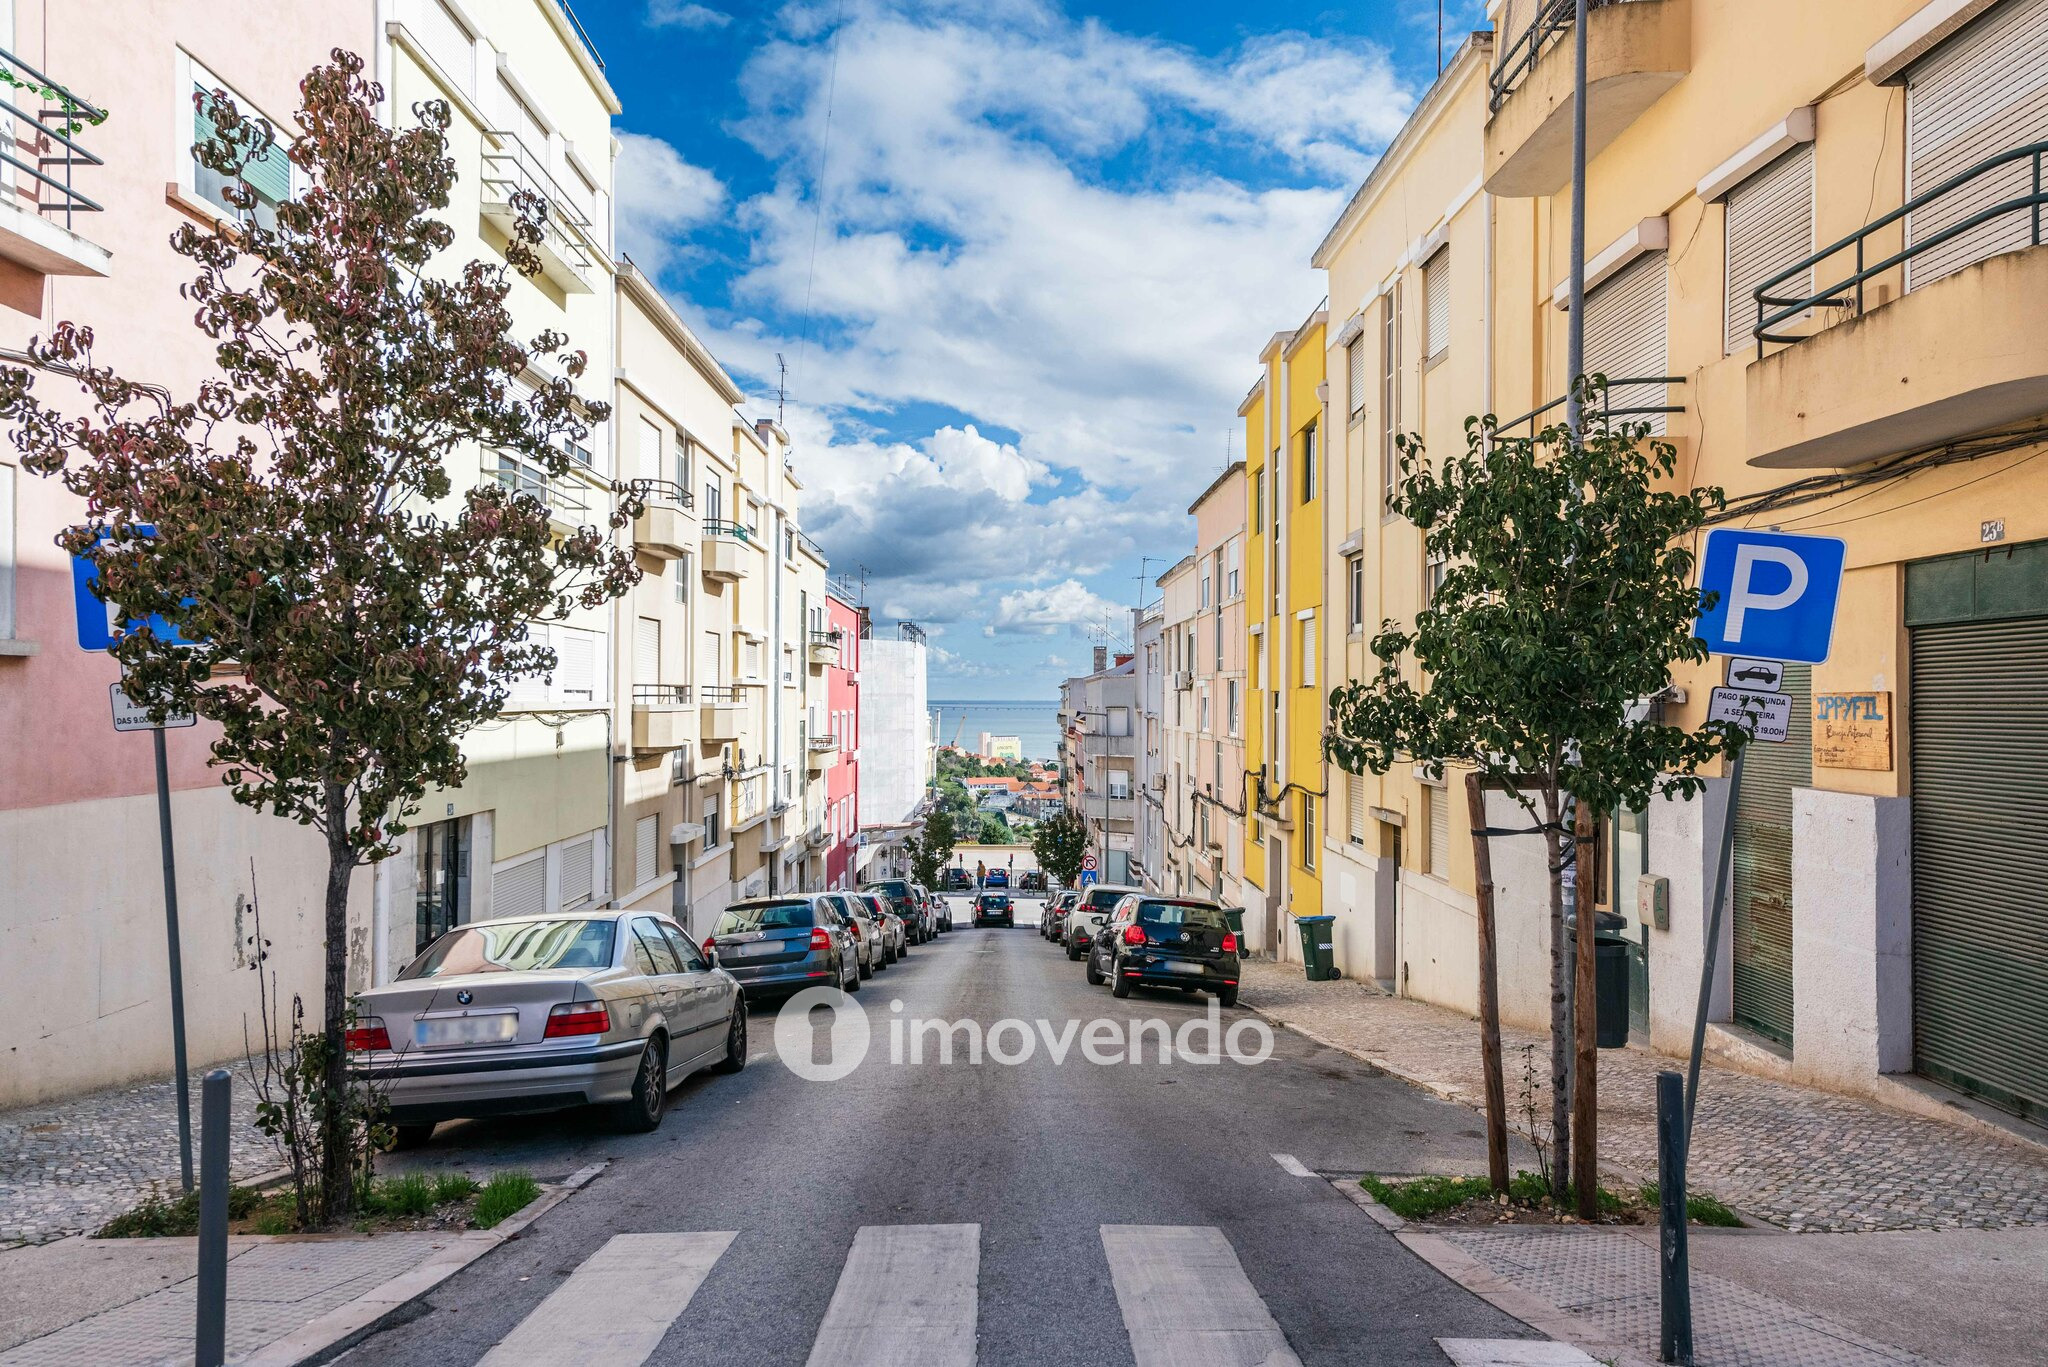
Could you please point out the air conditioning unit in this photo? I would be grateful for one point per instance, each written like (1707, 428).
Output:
(1183, 679)
(1158, 783)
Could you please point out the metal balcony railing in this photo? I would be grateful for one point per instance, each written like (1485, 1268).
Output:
(2021, 165)
(719, 526)
(666, 491)
(827, 638)
(1603, 405)
(1525, 30)
(509, 167)
(51, 133)
(581, 32)
(563, 498)
(661, 695)
(825, 740)
(722, 694)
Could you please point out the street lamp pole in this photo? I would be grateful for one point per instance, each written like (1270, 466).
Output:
(1575, 323)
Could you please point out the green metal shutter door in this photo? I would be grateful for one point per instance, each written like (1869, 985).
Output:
(1980, 861)
(1763, 866)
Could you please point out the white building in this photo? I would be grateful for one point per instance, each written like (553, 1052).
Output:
(896, 755)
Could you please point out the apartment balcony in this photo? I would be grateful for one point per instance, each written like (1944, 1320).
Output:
(721, 713)
(824, 649)
(1635, 51)
(667, 525)
(1122, 747)
(44, 153)
(1111, 808)
(727, 551)
(1961, 351)
(513, 174)
(566, 497)
(661, 717)
(1630, 399)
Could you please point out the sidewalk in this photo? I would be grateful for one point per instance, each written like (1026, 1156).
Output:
(1800, 1159)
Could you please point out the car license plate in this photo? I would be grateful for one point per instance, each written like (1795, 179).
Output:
(498, 1027)
(754, 947)
(1182, 966)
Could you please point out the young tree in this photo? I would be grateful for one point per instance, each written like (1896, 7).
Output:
(931, 847)
(1060, 842)
(350, 609)
(1566, 595)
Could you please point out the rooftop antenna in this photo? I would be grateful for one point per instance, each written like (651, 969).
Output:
(1439, 37)
(782, 384)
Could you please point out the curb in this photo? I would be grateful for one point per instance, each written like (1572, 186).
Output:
(343, 1327)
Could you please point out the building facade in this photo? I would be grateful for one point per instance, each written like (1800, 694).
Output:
(1207, 697)
(1100, 727)
(896, 752)
(839, 739)
(1148, 657)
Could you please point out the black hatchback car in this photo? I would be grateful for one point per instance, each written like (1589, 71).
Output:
(1166, 942)
(994, 909)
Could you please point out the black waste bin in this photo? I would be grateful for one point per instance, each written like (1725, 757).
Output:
(1318, 954)
(1610, 983)
(1234, 918)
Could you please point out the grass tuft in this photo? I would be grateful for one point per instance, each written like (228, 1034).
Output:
(412, 1194)
(154, 1217)
(1699, 1209)
(503, 1196)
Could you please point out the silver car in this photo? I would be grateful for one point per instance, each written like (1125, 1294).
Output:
(542, 1013)
(898, 933)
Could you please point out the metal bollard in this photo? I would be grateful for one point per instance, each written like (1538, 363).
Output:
(1674, 1271)
(209, 1347)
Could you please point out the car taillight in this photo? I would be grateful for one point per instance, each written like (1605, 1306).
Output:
(710, 945)
(1134, 935)
(821, 938)
(577, 1018)
(854, 926)
(368, 1036)
(1230, 942)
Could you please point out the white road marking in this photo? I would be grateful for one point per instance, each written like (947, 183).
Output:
(907, 1297)
(1292, 1165)
(1513, 1353)
(615, 1307)
(1186, 1301)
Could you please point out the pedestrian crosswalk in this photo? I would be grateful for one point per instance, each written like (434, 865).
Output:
(907, 1296)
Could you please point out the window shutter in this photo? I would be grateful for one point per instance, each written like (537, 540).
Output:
(575, 665)
(1625, 322)
(1354, 366)
(1436, 306)
(446, 41)
(530, 690)
(1769, 226)
(646, 831)
(522, 889)
(1983, 92)
(576, 872)
(1354, 807)
(650, 450)
(1308, 653)
(647, 650)
(1439, 833)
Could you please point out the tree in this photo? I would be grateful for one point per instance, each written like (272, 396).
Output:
(931, 848)
(349, 611)
(995, 829)
(1566, 595)
(1060, 842)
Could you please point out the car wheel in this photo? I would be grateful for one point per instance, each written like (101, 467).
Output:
(1119, 985)
(867, 968)
(1227, 996)
(1094, 978)
(410, 1136)
(851, 983)
(736, 1038)
(1073, 953)
(641, 1112)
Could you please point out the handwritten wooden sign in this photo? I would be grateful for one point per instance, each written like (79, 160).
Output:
(1852, 730)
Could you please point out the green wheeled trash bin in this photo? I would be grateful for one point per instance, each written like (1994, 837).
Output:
(1318, 954)
(1610, 984)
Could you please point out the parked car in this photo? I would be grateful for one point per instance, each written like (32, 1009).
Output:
(1053, 918)
(997, 878)
(871, 939)
(1087, 914)
(1166, 942)
(903, 901)
(777, 945)
(942, 912)
(957, 880)
(923, 895)
(993, 908)
(542, 1013)
(1032, 881)
(896, 934)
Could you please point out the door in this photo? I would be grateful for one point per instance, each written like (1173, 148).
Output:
(658, 959)
(704, 1002)
(1763, 866)
(1979, 745)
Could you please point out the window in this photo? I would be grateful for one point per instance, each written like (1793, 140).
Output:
(1259, 662)
(446, 40)
(1354, 591)
(1216, 623)
(650, 452)
(652, 953)
(1204, 710)
(1204, 605)
(1768, 224)
(713, 835)
(1390, 394)
(270, 175)
(1625, 338)
(1258, 501)
(1439, 831)
(1230, 694)
(440, 879)
(1308, 463)
(1354, 808)
(1119, 784)
(1433, 566)
(1308, 831)
(578, 676)
(1436, 306)
(681, 446)
(683, 577)
(714, 497)
(1119, 721)
(646, 841)
(1308, 652)
(1230, 589)
(679, 768)
(1354, 373)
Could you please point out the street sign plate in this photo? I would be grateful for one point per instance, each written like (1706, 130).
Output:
(1088, 862)
(100, 623)
(1774, 594)
(1763, 676)
(1766, 716)
(129, 717)
(1088, 877)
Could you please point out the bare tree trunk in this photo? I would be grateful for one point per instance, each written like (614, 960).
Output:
(1585, 1092)
(1560, 1022)
(1489, 992)
(337, 1187)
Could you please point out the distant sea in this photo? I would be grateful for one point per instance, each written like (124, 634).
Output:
(1035, 724)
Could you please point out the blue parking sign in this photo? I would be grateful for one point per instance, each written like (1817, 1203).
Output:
(97, 627)
(1774, 594)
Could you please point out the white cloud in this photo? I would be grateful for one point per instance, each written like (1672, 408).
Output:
(1065, 606)
(680, 14)
(660, 197)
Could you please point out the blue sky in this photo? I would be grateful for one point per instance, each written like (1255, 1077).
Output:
(1020, 275)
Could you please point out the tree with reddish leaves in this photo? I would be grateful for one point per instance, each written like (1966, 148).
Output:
(350, 608)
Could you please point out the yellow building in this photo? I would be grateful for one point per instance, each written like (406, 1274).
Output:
(1285, 473)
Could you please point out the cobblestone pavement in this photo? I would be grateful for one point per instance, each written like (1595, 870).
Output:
(1802, 1159)
(67, 1167)
(1609, 1280)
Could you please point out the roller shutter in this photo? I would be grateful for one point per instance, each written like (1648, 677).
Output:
(646, 650)
(1770, 226)
(1983, 92)
(646, 837)
(1763, 866)
(1436, 304)
(520, 890)
(578, 870)
(1354, 807)
(1979, 728)
(1439, 831)
(1625, 330)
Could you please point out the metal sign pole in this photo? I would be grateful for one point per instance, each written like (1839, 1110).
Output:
(163, 825)
(1719, 895)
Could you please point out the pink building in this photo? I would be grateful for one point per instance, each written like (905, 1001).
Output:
(82, 940)
(842, 778)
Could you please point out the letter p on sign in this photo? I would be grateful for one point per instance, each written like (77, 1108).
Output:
(1773, 595)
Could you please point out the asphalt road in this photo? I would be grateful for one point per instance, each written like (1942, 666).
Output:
(1036, 1159)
